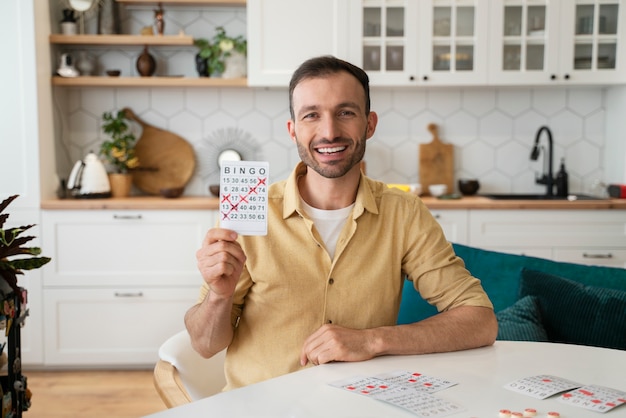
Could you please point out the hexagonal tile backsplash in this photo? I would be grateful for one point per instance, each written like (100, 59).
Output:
(492, 129)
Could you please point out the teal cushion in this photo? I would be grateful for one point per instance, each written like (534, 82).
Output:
(576, 313)
(521, 321)
(500, 276)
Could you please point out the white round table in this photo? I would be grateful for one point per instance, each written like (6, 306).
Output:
(480, 375)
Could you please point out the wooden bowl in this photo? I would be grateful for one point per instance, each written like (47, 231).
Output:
(114, 73)
(215, 190)
(172, 192)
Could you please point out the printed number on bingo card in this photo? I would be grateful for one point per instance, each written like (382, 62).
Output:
(243, 196)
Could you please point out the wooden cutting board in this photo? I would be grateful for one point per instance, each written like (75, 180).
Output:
(166, 160)
(436, 162)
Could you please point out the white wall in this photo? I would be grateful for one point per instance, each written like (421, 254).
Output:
(615, 155)
(19, 170)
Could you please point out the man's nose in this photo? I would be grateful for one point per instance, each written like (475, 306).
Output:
(330, 128)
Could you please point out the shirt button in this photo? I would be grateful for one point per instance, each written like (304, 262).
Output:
(331, 281)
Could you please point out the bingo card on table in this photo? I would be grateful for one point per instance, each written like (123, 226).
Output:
(243, 196)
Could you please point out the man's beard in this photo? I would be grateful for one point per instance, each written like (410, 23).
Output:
(336, 169)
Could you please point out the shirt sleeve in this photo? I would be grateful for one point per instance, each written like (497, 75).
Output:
(438, 274)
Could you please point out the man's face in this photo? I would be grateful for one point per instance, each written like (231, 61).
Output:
(330, 126)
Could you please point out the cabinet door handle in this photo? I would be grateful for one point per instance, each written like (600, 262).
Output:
(128, 294)
(127, 217)
(604, 256)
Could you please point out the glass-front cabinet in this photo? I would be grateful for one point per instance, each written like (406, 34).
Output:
(405, 42)
(597, 48)
(387, 40)
(549, 41)
(455, 41)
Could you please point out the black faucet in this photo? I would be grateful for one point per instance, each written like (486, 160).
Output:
(546, 178)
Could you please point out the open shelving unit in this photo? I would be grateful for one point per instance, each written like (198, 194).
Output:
(143, 40)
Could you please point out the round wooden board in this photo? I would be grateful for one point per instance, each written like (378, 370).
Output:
(166, 160)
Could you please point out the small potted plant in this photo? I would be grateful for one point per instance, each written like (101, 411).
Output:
(119, 152)
(214, 54)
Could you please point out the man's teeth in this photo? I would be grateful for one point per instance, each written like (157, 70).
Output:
(330, 150)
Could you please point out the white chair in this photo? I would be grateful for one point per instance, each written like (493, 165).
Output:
(181, 375)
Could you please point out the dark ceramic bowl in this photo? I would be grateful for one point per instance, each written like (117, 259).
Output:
(468, 187)
(114, 73)
(215, 189)
(172, 192)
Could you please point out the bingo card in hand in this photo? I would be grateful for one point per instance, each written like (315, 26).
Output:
(243, 196)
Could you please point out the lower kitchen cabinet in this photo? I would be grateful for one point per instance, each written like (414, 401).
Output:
(117, 326)
(119, 283)
(595, 237)
(454, 224)
(609, 257)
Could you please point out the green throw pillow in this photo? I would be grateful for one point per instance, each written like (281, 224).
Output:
(575, 313)
(522, 321)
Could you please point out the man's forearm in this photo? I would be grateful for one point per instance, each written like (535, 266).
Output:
(209, 325)
(457, 329)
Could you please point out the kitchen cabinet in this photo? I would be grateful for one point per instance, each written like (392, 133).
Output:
(284, 33)
(444, 42)
(558, 42)
(580, 236)
(119, 282)
(454, 223)
(436, 42)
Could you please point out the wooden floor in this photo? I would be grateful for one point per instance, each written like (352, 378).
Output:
(92, 394)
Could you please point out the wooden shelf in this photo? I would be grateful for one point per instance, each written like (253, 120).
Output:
(104, 81)
(199, 2)
(121, 39)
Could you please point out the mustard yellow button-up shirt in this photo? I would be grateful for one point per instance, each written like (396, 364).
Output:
(290, 286)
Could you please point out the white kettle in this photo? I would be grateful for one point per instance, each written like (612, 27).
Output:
(89, 178)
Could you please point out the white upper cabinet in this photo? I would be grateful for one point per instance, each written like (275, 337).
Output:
(557, 42)
(284, 33)
(436, 42)
(443, 42)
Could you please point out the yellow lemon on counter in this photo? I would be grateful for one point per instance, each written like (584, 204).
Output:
(403, 187)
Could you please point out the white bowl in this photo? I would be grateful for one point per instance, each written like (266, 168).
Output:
(416, 188)
(437, 190)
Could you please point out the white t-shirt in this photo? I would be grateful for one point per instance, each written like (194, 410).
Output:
(328, 223)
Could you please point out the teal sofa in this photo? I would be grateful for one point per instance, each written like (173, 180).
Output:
(537, 299)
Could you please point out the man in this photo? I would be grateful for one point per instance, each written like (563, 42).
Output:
(325, 283)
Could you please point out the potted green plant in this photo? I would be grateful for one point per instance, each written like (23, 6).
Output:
(212, 53)
(11, 244)
(119, 151)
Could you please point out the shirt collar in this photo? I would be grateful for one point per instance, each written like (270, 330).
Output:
(365, 197)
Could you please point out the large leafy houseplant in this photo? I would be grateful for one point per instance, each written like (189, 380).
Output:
(214, 51)
(119, 150)
(11, 245)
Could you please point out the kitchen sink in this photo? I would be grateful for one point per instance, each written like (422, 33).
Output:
(522, 196)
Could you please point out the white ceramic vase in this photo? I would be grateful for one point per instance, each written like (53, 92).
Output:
(235, 66)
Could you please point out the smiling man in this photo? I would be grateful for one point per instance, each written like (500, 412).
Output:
(325, 283)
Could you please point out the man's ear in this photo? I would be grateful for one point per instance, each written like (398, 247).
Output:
(372, 121)
(291, 128)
